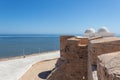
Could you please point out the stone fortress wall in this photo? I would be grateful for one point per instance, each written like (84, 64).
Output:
(81, 56)
(72, 64)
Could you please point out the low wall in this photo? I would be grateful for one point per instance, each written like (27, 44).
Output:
(103, 46)
(109, 66)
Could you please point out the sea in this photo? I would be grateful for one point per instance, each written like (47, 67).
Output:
(12, 45)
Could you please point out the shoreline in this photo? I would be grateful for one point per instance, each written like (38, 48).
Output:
(19, 66)
(24, 56)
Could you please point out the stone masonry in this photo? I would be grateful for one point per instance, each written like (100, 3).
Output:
(103, 46)
(79, 55)
(72, 64)
(109, 66)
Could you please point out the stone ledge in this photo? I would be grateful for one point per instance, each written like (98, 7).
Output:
(109, 66)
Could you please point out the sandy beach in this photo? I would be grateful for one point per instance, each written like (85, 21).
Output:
(14, 69)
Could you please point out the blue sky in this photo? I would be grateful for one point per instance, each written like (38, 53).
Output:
(58, 16)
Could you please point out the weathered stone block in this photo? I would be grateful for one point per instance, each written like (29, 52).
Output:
(108, 66)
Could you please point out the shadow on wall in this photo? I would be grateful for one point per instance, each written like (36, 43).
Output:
(44, 75)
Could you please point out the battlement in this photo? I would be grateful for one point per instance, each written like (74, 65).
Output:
(80, 55)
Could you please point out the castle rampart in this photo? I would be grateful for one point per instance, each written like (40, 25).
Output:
(79, 57)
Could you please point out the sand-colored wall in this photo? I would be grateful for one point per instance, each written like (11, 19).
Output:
(108, 66)
(97, 49)
(78, 55)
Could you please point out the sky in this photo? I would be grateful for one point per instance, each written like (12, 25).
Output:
(58, 16)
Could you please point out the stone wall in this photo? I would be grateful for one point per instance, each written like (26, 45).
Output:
(72, 64)
(79, 55)
(108, 66)
(103, 46)
(90, 76)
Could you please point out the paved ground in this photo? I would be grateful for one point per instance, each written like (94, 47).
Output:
(39, 71)
(14, 69)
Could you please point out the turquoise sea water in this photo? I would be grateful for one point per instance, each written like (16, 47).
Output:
(17, 45)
